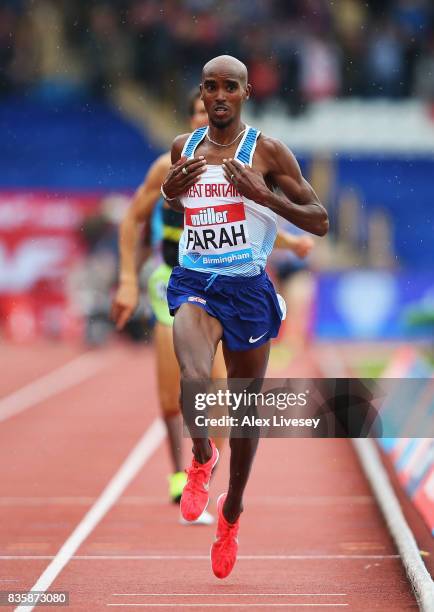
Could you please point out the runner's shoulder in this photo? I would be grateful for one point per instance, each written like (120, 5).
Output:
(274, 151)
(272, 146)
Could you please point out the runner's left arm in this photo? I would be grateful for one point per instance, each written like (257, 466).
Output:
(296, 201)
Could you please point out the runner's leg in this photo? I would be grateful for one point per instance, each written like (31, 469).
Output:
(242, 364)
(168, 386)
(219, 373)
(196, 335)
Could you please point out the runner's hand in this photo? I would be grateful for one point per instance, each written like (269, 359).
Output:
(249, 182)
(178, 182)
(303, 246)
(124, 304)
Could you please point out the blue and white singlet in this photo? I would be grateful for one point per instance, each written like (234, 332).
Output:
(224, 232)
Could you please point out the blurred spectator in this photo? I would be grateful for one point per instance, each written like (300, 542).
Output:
(412, 16)
(320, 75)
(298, 51)
(385, 62)
(106, 49)
(8, 24)
(350, 18)
(265, 78)
(424, 78)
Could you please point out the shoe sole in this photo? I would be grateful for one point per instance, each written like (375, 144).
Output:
(212, 468)
(198, 522)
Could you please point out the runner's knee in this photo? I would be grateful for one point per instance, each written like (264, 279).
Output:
(195, 371)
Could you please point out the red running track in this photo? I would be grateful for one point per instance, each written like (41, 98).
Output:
(311, 535)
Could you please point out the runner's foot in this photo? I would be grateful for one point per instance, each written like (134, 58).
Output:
(195, 496)
(225, 548)
(177, 482)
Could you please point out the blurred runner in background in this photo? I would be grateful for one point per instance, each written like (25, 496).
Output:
(294, 282)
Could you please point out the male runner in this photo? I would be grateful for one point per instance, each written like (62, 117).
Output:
(224, 176)
(140, 211)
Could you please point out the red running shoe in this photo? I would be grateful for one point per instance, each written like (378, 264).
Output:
(195, 496)
(225, 548)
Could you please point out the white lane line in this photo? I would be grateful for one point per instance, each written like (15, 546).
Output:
(420, 579)
(229, 594)
(332, 365)
(60, 379)
(146, 446)
(197, 557)
(227, 605)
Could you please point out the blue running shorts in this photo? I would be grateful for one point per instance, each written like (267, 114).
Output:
(247, 307)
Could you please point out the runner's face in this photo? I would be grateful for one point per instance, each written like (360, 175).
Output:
(223, 93)
(200, 117)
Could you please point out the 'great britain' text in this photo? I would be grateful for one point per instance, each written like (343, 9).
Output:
(212, 190)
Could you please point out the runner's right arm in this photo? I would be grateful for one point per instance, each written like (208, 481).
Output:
(176, 183)
(139, 212)
(300, 245)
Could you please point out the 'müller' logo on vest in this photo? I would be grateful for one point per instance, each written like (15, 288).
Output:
(215, 215)
(209, 216)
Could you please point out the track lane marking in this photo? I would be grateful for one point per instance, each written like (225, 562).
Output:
(226, 605)
(146, 446)
(229, 594)
(66, 376)
(332, 365)
(196, 557)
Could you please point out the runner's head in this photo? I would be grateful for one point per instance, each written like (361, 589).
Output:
(196, 111)
(224, 89)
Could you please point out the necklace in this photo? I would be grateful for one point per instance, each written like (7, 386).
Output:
(229, 143)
